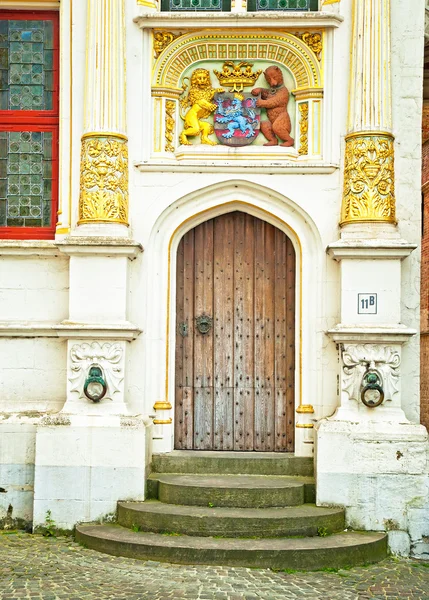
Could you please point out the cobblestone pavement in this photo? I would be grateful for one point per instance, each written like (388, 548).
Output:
(34, 567)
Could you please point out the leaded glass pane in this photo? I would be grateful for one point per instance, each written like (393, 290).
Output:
(283, 4)
(26, 65)
(196, 5)
(25, 178)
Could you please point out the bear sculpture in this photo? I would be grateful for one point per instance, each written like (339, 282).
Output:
(275, 101)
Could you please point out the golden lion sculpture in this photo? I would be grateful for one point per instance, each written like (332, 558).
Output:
(200, 103)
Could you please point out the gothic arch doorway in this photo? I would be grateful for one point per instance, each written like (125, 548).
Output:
(235, 336)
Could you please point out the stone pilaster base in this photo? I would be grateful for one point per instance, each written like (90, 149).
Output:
(85, 464)
(379, 472)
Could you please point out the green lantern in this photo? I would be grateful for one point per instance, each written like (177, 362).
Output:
(95, 387)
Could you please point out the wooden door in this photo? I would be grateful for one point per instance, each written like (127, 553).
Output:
(235, 334)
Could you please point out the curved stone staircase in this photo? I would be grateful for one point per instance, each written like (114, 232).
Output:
(240, 509)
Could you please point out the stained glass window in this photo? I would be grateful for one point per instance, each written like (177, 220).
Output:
(26, 64)
(28, 123)
(25, 178)
(196, 5)
(286, 5)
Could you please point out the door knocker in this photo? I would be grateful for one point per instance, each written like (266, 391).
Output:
(204, 323)
(372, 394)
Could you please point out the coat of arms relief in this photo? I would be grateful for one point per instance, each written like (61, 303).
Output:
(232, 113)
(234, 93)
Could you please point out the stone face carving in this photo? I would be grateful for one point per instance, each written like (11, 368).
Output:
(275, 101)
(107, 356)
(358, 359)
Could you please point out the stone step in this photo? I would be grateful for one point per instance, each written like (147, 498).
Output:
(245, 491)
(157, 517)
(335, 551)
(233, 463)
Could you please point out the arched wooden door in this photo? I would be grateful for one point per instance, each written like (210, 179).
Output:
(235, 334)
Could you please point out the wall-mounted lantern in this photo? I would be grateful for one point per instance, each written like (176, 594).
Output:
(95, 387)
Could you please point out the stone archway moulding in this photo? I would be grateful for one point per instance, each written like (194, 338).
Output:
(283, 48)
(188, 212)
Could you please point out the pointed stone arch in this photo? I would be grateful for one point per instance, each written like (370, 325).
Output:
(183, 215)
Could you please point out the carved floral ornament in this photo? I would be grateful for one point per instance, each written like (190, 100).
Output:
(360, 359)
(303, 128)
(369, 174)
(314, 41)
(107, 356)
(170, 123)
(162, 39)
(103, 179)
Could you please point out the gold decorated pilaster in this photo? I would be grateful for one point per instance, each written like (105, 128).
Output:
(369, 178)
(170, 124)
(103, 179)
(369, 173)
(303, 129)
(104, 154)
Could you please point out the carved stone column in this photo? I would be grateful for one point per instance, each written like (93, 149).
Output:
(369, 188)
(368, 450)
(104, 159)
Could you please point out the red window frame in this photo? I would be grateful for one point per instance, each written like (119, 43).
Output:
(37, 120)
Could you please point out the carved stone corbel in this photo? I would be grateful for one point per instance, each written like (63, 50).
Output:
(361, 358)
(107, 356)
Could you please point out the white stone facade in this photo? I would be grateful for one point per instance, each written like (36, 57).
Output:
(106, 290)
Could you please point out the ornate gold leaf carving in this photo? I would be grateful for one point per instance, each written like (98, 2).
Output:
(313, 41)
(237, 76)
(369, 178)
(303, 128)
(162, 39)
(199, 101)
(170, 123)
(103, 180)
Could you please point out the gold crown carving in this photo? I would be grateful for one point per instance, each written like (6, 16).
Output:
(237, 76)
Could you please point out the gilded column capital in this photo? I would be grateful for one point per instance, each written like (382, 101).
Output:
(369, 171)
(103, 194)
(103, 179)
(369, 178)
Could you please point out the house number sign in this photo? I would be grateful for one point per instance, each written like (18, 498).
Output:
(367, 304)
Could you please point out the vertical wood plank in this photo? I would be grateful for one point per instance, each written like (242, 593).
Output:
(179, 442)
(259, 424)
(290, 343)
(223, 270)
(184, 344)
(269, 338)
(264, 336)
(243, 331)
(280, 333)
(203, 343)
